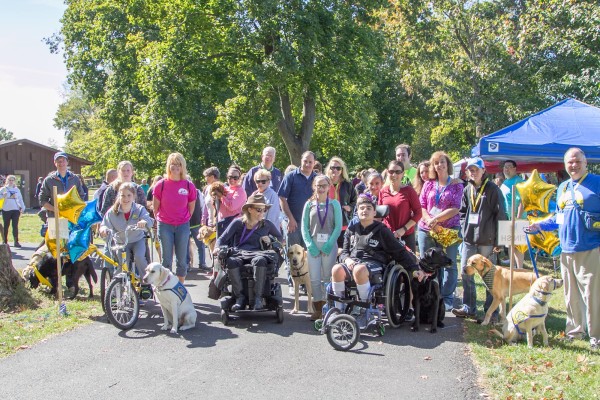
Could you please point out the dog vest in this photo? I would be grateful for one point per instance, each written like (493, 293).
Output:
(519, 317)
(178, 289)
(488, 278)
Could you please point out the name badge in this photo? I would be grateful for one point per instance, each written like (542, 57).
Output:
(560, 218)
(473, 219)
(322, 237)
(435, 212)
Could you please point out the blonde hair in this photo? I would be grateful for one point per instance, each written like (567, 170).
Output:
(262, 173)
(435, 157)
(9, 177)
(177, 158)
(122, 187)
(117, 182)
(314, 184)
(344, 168)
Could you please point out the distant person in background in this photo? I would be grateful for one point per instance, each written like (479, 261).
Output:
(12, 208)
(86, 190)
(509, 168)
(111, 175)
(421, 177)
(38, 188)
(125, 173)
(317, 168)
(145, 186)
(267, 160)
(499, 179)
(403, 155)
(211, 175)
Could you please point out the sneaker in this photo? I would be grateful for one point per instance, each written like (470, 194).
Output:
(17, 244)
(463, 312)
(204, 268)
(410, 315)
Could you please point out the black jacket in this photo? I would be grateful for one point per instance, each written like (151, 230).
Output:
(376, 243)
(490, 209)
(348, 197)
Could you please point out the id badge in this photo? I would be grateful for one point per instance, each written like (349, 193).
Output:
(560, 218)
(473, 219)
(322, 237)
(435, 212)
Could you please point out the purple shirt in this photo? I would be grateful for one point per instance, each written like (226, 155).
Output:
(443, 198)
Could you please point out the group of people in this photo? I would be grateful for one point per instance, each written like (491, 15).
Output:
(335, 220)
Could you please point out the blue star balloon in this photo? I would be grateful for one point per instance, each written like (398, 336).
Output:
(89, 215)
(78, 243)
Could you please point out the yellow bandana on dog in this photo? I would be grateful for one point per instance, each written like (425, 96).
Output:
(210, 238)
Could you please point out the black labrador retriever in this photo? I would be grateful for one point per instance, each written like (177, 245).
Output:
(72, 272)
(427, 300)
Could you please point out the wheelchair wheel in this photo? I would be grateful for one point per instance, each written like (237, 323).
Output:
(122, 304)
(397, 296)
(105, 277)
(224, 317)
(279, 315)
(343, 332)
(318, 325)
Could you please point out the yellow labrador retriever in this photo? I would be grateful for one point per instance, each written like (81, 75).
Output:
(175, 301)
(299, 272)
(530, 312)
(497, 280)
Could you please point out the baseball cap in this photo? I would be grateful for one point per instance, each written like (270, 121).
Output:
(476, 161)
(60, 154)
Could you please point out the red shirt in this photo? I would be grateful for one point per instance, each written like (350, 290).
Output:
(403, 206)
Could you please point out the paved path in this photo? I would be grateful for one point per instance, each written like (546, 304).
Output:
(253, 358)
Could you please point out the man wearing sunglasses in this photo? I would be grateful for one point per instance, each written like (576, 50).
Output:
(267, 160)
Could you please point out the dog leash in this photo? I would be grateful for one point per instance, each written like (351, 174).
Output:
(530, 249)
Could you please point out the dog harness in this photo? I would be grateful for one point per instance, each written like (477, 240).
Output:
(519, 317)
(210, 238)
(488, 278)
(178, 289)
(299, 275)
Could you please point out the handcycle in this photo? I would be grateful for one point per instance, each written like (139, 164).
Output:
(120, 293)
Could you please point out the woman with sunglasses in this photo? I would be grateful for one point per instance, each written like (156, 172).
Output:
(440, 200)
(247, 236)
(174, 199)
(341, 189)
(12, 208)
(262, 179)
(403, 203)
(229, 204)
(321, 226)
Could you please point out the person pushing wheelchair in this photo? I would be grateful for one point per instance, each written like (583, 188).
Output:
(248, 235)
(368, 247)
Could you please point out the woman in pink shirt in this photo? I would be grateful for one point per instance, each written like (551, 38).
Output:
(173, 200)
(404, 205)
(229, 205)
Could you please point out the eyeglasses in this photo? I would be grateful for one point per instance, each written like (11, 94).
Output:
(234, 177)
(335, 168)
(11, 179)
(259, 209)
(261, 181)
(395, 171)
(324, 186)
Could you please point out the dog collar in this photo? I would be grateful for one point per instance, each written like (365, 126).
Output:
(41, 277)
(299, 275)
(164, 283)
(540, 301)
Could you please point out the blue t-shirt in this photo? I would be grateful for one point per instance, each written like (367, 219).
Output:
(574, 236)
(297, 189)
(506, 191)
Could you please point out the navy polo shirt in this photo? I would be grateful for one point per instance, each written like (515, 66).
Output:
(250, 185)
(297, 189)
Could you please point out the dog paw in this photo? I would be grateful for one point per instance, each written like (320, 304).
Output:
(485, 322)
(165, 327)
(294, 311)
(173, 330)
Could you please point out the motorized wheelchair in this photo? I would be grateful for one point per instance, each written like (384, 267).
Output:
(272, 290)
(389, 298)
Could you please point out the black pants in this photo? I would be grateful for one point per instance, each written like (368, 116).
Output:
(8, 217)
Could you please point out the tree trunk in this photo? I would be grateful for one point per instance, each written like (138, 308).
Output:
(296, 143)
(11, 282)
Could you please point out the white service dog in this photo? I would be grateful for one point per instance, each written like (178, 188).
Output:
(173, 297)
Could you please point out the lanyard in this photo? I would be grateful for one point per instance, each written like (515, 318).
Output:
(245, 237)
(438, 193)
(322, 221)
(475, 202)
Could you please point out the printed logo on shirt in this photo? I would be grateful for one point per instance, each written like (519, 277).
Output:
(373, 242)
(183, 191)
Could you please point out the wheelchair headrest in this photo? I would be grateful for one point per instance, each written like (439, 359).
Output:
(433, 259)
(382, 211)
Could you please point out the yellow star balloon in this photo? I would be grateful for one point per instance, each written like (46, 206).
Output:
(51, 244)
(547, 240)
(70, 205)
(535, 193)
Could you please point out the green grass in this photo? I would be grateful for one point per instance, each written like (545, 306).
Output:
(560, 371)
(21, 330)
(29, 229)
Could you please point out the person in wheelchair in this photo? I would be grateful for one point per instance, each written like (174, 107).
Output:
(248, 236)
(125, 213)
(368, 247)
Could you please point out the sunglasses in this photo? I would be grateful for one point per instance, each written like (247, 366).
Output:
(395, 171)
(259, 209)
(335, 168)
(234, 177)
(323, 186)
(261, 181)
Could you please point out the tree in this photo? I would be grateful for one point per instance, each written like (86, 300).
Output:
(6, 135)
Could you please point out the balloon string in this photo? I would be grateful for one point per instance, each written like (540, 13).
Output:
(533, 262)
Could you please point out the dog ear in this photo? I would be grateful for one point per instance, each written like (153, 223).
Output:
(487, 262)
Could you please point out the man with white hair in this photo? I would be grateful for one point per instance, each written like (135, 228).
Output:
(267, 161)
(578, 220)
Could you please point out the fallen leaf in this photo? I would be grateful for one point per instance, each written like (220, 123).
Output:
(568, 378)
(428, 358)
(518, 395)
(548, 364)
(533, 386)
(581, 358)
(584, 368)
(549, 387)
(24, 347)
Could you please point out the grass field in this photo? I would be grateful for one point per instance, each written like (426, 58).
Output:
(29, 229)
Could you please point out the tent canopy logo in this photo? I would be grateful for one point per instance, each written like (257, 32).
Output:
(493, 147)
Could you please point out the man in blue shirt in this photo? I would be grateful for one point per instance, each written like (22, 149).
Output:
(267, 160)
(580, 257)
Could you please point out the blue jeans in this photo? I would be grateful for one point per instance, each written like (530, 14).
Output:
(199, 244)
(448, 276)
(174, 237)
(468, 281)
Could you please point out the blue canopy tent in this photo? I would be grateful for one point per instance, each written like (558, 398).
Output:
(545, 137)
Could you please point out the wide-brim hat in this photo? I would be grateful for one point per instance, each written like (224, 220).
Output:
(255, 200)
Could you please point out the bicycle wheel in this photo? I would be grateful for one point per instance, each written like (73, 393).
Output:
(122, 304)
(105, 277)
